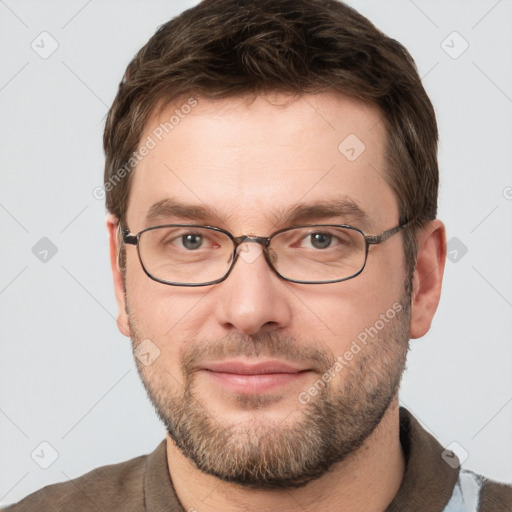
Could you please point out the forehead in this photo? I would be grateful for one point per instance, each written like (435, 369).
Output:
(252, 160)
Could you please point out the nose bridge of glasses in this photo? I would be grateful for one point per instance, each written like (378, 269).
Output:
(260, 240)
(249, 247)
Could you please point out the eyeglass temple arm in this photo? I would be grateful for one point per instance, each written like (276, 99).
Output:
(378, 239)
(125, 236)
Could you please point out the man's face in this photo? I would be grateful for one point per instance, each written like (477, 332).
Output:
(252, 165)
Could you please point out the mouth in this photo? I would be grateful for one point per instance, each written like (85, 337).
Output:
(254, 377)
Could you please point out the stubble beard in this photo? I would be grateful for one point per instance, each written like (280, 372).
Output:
(270, 455)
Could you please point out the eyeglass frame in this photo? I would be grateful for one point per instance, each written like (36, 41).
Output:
(264, 241)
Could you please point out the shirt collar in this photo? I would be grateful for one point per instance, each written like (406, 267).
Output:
(428, 481)
(159, 492)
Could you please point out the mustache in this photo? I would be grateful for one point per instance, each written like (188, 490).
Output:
(272, 345)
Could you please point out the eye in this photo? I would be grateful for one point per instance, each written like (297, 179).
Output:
(191, 241)
(320, 240)
(184, 241)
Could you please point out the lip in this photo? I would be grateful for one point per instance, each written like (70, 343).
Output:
(254, 378)
(247, 368)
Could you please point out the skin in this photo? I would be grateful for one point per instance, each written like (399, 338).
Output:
(252, 161)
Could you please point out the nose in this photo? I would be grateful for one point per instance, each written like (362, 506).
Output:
(252, 298)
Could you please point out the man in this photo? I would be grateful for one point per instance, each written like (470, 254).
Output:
(271, 179)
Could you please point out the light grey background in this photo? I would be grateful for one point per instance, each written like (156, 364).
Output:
(67, 374)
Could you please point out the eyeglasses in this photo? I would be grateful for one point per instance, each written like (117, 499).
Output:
(195, 255)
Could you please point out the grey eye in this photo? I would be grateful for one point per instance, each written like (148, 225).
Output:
(321, 240)
(192, 241)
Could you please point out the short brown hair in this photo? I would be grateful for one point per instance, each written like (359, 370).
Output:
(223, 48)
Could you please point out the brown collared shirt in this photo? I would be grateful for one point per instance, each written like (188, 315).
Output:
(433, 482)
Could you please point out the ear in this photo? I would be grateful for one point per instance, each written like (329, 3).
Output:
(428, 276)
(122, 315)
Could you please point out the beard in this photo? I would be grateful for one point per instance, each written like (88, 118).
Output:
(263, 454)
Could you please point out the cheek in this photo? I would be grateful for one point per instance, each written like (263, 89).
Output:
(168, 315)
(342, 311)
(163, 379)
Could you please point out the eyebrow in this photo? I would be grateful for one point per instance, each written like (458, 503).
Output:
(173, 208)
(342, 209)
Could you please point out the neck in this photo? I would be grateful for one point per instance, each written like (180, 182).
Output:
(366, 480)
